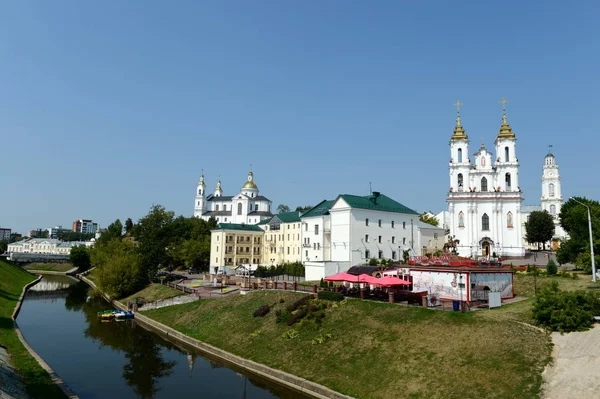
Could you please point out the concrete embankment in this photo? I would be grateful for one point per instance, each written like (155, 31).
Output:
(290, 381)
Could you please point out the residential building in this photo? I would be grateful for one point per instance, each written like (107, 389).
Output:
(53, 232)
(282, 239)
(430, 238)
(352, 229)
(35, 233)
(44, 246)
(247, 207)
(484, 199)
(5, 234)
(235, 244)
(84, 226)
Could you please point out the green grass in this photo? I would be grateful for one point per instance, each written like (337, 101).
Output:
(55, 267)
(154, 292)
(377, 350)
(38, 382)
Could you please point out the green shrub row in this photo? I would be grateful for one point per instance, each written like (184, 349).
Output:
(330, 296)
(262, 311)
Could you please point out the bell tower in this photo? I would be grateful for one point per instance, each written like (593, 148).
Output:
(551, 189)
(200, 202)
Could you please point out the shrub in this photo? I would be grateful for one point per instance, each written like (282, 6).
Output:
(262, 311)
(299, 303)
(565, 311)
(330, 296)
(373, 262)
(322, 284)
(551, 267)
(282, 316)
(290, 334)
(281, 300)
(296, 317)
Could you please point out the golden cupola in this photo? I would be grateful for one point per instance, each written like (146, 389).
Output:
(505, 129)
(459, 131)
(250, 183)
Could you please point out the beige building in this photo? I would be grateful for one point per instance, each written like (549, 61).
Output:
(430, 238)
(283, 239)
(232, 245)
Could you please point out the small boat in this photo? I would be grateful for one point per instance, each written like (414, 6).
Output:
(122, 315)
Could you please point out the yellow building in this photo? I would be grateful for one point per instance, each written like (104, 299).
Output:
(232, 245)
(283, 239)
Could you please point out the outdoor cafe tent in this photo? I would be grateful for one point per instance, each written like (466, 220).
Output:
(389, 281)
(341, 277)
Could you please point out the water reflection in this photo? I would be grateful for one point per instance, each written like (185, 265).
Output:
(121, 358)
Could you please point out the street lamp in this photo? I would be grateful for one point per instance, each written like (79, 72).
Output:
(591, 239)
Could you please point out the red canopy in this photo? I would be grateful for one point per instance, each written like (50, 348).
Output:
(342, 277)
(389, 281)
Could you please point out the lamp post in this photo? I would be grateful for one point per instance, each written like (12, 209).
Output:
(591, 238)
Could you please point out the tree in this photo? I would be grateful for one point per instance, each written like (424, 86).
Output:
(551, 267)
(303, 208)
(80, 257)
(113, 231)
(427, 218)
(128, 225)
(118, 268)
(3, 246)
(539, 227)
(283, 208)
(574, 220)
(154, 235)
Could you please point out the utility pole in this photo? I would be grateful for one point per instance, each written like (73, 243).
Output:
(412, 235)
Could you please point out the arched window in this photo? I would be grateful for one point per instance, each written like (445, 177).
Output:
(506, 158)
(509, 219)
(224, 207)
(461, 219)
(239, 208)
(217, 207)
(460, 182)
(460, 155)
(482, 161)
(483, 184)
(485, 222)
(551, 189)
(507, 182)
(553, 210)
(200, 192)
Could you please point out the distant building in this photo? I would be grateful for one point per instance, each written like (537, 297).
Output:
(232, 245)
(48, 246)
(4, 233)
(35, 233)
(283, 242)
(53, 232)
(85, 226)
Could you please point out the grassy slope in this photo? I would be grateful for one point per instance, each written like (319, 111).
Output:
(37, 380)
(378, 350)
(55, 267)
(154, 292)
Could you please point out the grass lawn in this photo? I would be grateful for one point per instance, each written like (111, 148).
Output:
(376, 350)
(55, 267)
(154, 292)
(37, 380)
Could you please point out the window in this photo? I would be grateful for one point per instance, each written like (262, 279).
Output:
(217, 238)
(404, 240)
(216, 260)
(379, 222)
(393, 224)
(306, 253)
(507, 182)
(225, 219)
(393, 254)
(217, 207)
(200, 192)
(379, 239)
(435, 236)
(217, 248)
(461, 219)
(461, 286)
(306, 227)
(483, 184)
(316, 229)
(404, 225)
(551, 189)
(509, 219)
(224, 207)
(393, 240)
(318, 245)
(367, 254)
(366, 222)
(198, 203)
(506, 154)
(314, 245)
(366, 238)
(553, 210)
(288, 237)
(380, 254)
(288, 250)
(485, 222)
(239, 208)
(460, 155)
(460, 182)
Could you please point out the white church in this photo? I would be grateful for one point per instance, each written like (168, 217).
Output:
(484, 199)
(247, 207)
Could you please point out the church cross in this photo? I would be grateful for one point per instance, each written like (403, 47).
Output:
(458, 104)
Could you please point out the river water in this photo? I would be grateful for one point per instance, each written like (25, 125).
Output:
(122, 359)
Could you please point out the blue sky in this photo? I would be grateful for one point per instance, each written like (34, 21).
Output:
(109, 107)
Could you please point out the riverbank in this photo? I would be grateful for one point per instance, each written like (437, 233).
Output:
(37, 381)
(50, 268)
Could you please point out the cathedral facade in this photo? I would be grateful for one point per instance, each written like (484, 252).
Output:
(247, 207)
(484, 199)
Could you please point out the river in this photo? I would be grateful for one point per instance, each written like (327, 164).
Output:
(123, 359)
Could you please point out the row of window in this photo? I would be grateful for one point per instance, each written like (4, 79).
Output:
(380, 223)
(281, 237)
(484, 183)
(506, 154)
(379, 239)
(485, 220)
(379, 254)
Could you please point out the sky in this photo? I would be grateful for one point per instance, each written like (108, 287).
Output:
(109, 107)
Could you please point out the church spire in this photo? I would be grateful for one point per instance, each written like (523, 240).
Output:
(201, 182)
(505, 129)
(459, 131)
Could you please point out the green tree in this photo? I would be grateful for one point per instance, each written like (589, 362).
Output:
(117, 267)
(128, 225)
(551, 267)
(154, 236)
(574, 220)
(283, 208)
(304, 208)
(113, 231)
(539, 227)
(426, 218)
(80, 257)
(74, 236)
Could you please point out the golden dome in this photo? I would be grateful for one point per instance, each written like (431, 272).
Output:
(505, 129)
(250, 183)
(459, 131)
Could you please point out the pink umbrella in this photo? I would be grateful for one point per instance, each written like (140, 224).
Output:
(341, 277)
(365, 278)
(389, 281)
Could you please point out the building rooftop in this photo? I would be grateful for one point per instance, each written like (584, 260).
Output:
(287, 217)
(322, 208)
(240, 227)
(376, 202)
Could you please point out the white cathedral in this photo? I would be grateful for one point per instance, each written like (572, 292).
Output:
(484, 200)
(247, 207)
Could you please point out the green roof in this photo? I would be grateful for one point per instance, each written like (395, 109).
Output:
(264, 221)
(236, 226)
(374, 202)
(322, 208)
(288, 217)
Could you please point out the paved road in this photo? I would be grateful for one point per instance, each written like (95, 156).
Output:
(574, 373)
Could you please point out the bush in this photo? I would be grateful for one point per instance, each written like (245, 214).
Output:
(564, 311)
(551, 267)
(296, 317)
(281, 300)
(323, 284)
(282, 316)
(299, 303)
(330, 296)
(373, 262)
(262, 311)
